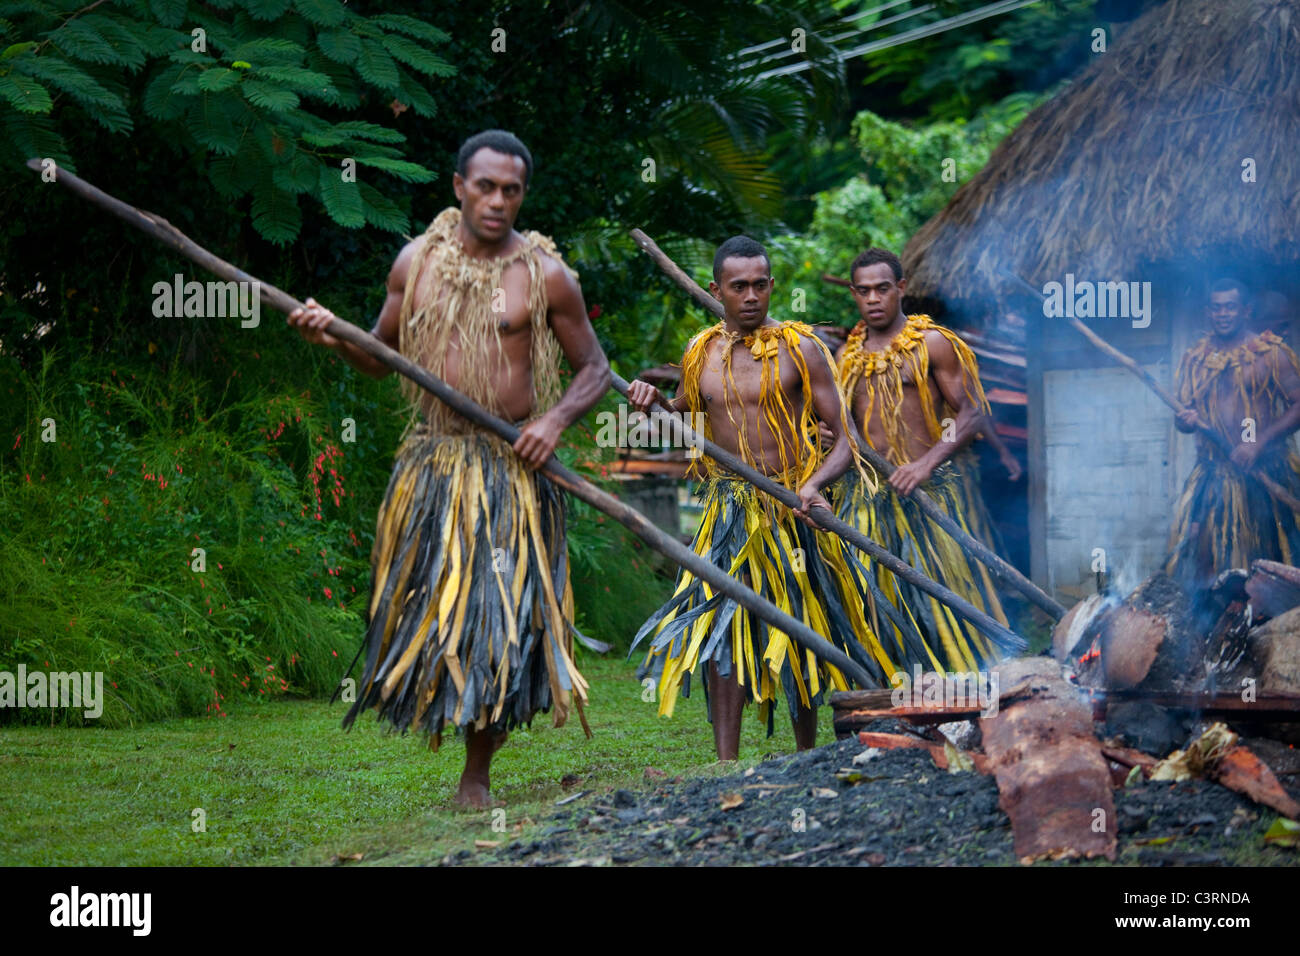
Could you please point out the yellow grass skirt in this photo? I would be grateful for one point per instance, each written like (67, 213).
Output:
(470, 598)
(970, 500)
(1225, 520)
(810, 575)
(899, 525)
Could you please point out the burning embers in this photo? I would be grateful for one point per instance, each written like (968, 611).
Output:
(1146, 640)
(1173, 681)
(1158, 660)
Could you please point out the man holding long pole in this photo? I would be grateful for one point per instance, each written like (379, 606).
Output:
(369, 344)
(469, 620)
(761, 386)
(916, 395)
(1246, 388)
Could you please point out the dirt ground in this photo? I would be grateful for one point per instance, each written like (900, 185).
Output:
(902, 810)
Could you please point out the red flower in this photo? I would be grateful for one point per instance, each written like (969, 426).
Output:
(327, 592)
(594, 313)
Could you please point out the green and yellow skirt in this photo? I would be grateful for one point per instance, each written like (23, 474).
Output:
(808, 574)
(470, 611)
(1224, 519)
(898, 525)
(970, 500)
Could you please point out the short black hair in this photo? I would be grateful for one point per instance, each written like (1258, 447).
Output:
(1228, 283)
(498, 140)
(738, 247)
(870, 257)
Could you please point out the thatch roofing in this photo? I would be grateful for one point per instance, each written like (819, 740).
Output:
(1138, 161)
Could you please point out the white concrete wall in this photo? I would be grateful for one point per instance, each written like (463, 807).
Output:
(1115, 466)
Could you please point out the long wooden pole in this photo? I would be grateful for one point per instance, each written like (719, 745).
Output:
(1001, 635)
(1001, 569)
(1272, 487)
(638, 524)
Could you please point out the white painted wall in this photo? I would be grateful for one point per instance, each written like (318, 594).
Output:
(1115, 466)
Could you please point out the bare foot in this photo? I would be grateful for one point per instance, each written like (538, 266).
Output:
(474, 781)
(473, 793)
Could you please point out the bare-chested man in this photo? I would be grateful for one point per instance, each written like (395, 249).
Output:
(470, 599)
(915, 393)
(761, 386)
(1247, 388)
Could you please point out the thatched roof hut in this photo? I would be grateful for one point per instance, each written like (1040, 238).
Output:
(1175, 156)
(1139, 161)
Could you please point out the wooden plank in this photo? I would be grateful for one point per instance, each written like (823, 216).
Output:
(999, 376)
(848, 700)
(1053, 781)
(1004, 396)
(1228, 704)
(847, 721)
(936, 750)
(633, 467)
(856, 709)
(1274, 588)
(1242, 771)
(1009, 359)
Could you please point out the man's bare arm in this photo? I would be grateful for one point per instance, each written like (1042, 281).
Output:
(311, 321)
(950, 377)
(568, 319)
(989, 432)
(827, 405)
(643, 396)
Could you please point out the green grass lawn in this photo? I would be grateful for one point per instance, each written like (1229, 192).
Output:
(280, 783)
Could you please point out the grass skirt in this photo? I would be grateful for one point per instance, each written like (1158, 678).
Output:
(810, 575)
(470, 598)
(899, 525)
(971, 500)
(1225, 520)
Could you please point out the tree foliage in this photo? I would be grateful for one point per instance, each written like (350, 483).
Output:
(908, 174)
(250, 92)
